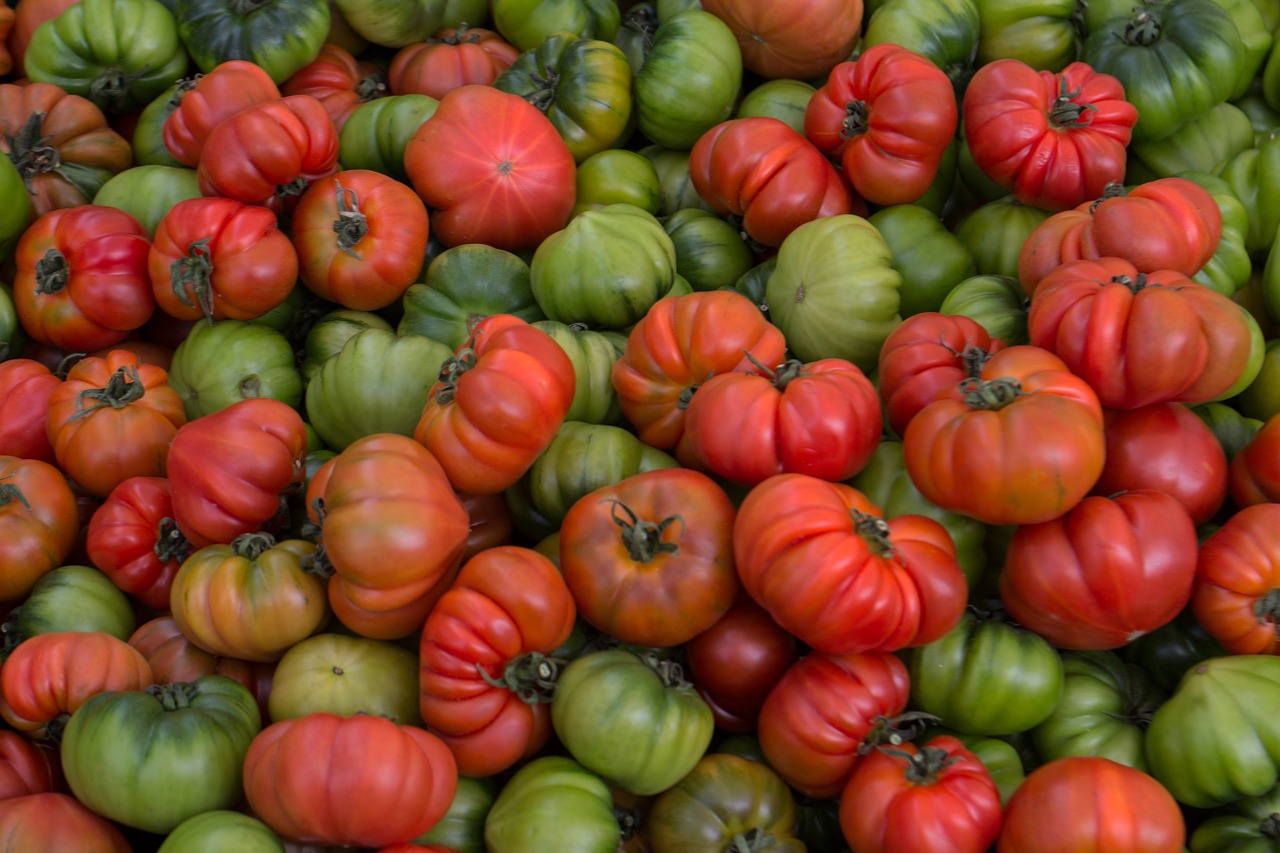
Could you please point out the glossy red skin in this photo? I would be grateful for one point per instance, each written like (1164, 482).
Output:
(737, 661)
(1113, 807)
(266, 146)
(665, 600)
(1165, 224)
(229, 470)
(25, 388)
(55, 821)
(507, 603)
(124, 534)
(37, 531)
(1007, 109)
(911, 119)
(825, 422)
(338, 81)
(761, 169)
(1165, 447)
(803, 555)
(679, 344)
(504, 410)
(27, 767)
(453, 57)
(1104, 574)
(1238, 568)
(212, 98)
(362, 781)
(956, 807)
(107, 292)
(798, 40)
(926, 354)
(1254, 472)
(1140, 338)
(821, 710)
(493, 169)
(1029, 461)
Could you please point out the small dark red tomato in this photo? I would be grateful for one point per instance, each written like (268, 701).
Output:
(1166, 447)
(737, 661)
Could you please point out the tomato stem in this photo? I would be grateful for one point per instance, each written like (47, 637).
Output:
(251, 546)
(1066, 113)
(754, 840)
(990, 394)
(855, 122)
(643, 539)
(351, 226)
(185, 84)
(874, 530)
(545, 95)
(792, 368)
(532, 677)
(642, 20)
(54, 728)
(1267, 608)
(670, 672)
(192, 277)
(295, 187)
(174, 696)
(171, 545)
(451, 371)
(28, 151)
(1142, 30)
(110, 88)
(1134, 284)
(52, 273)
(924, 766)
(896, 730)
(629, 821)
(462, 33)
(1270, 826)
(123, 388)
(371, 86)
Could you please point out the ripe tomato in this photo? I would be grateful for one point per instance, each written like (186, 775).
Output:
(39, 520)
(1238, 573)
(206, 100)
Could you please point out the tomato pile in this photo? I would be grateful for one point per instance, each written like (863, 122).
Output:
(579, 426)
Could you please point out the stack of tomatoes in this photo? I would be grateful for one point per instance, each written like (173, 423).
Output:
(591, 426)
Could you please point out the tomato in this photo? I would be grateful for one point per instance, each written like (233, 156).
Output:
(710, 252)
(13, 221)
(338, 81)
(452, 57)
(820, 713)
(396, 24)
(527, 23)
(25, 388)
(910, 799)
(821, 419)
(55, 821)
(221, 829)
(1253, 477)
(38, 523)
(147, 192)
(346, 675)
(486, 674)
(552, 803)
(215, 31)
(996, 232)
(945, 31)
(501, 399)
(1042, 34)
(802, 41)
(203, 102)
(227, 361)
(1235, 593)
(360, 780)
(27, 767)
(220, 259)
(377, 132)
(462, 827)
(1246, 826)
(593, 354)
(1054, 140)
(494, 169)
(72, 598)
(633, 720)
(931, 259)
(229, 470)
(1118, 809)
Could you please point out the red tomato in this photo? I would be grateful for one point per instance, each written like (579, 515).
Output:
(830, 569)
(920, 799)
(134, 540)
(1234, 598)
(339, 81)
(1254, 473)
(649, 559)
(39, 520)
(452, 58)
(25, 388)
(1055, 140)
(206, 100)
(762, 170)
(888, 116)
(27, 767)
(175, 659)
(487, 675)
(799, 40)
(821, 419)
(81, 282)
(493, 168)
(54, 821)
(1104, 574)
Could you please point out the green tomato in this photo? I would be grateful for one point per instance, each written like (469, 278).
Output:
(1251, 825)
(996, 231)
(377, 132)
(281, 36)
(834, 292)
(1166, 653)
(689, 81)
(71, 598)
(227, 361)
(583, 85)
(783, 98)
(931, 259)
(1041, 33)
(148, 192)
(461, 287)
(15, 213)
(672, 166)
(120, 54)
(710, 253)
(617, 176)
(527, 23)
(938, 197)
(378, 383)
(986, 676)
(148, 134)
(1217, 739)
(944, 31)
(1203, 144)
(973, 180)
(338, 674)
(12, 336)
(396, 23)
(1254, 175)
(153, 758)
(1255, 35)
(329, 334)
(553, 803)
(996, 302)
(635, 32)
(1260, 400)
(220, 830)
(1230, 267)
(754, 283)
(605, 268)
(633, 720)
(593, 354)
(462, 827)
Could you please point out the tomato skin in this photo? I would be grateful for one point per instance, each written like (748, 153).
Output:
(820, 712)
(205, 101)
(39, 520)
(794, 41)
(1254, 473)
(339, 81)
(888, 117)
(56, 821)
(822, 560)
(1236, 578)
(504, 396)
(649, 559)
(25, 388)
(27, 767)
(1031, 131)
(493, 169)
(327, 779)
(1103, 574)
(1031, 457)
(268, 153)
(506, 613)
(820, 418)
(1118, 809)
(762, 170)
(81, 281)
(909, 798)
(451, 58)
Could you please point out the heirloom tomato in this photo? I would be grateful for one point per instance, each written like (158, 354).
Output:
(147, 192)
(39, 520)
(1236, 596)
(553, 803)
(56, 821)
(72, 598)
(203, 102)
(339, 81)
(377, 132)
(346, 675)
(280, 36)
(451, 58)
(27, 767)
(133, 539)
(1254, 473)
(795, 42)
(25, 388)
(222, 829)
(175, 659)
(527, 23)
